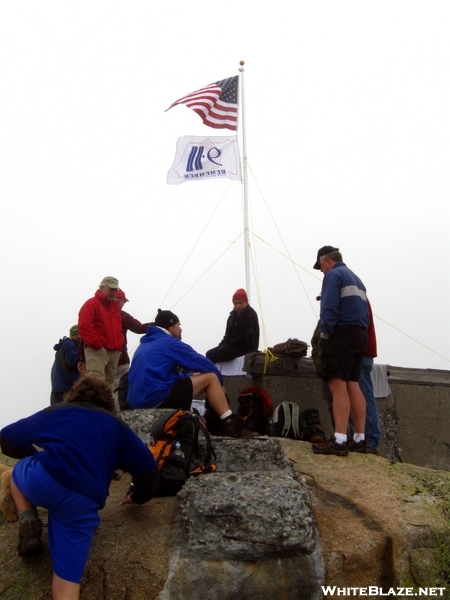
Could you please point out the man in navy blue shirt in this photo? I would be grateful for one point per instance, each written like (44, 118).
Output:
(344, 320)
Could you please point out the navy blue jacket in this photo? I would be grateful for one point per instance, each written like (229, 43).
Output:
(65, 368)
(82, 447)
(343, 301)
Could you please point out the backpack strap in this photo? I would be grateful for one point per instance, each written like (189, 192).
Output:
(295, 420)
(287, 419)
(210, 453)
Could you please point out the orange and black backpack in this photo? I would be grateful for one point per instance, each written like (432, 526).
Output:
(181, 446)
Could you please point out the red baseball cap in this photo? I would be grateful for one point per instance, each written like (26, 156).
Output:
(121, 294)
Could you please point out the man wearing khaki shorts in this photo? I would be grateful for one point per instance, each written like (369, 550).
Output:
(100, 327)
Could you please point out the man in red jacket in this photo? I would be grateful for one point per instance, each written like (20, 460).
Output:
(100, 327)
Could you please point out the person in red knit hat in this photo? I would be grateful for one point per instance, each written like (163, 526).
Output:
(241, 333)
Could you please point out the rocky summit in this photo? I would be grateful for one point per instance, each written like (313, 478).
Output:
(273, 520)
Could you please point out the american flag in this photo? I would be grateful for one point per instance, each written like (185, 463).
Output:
(216, 104)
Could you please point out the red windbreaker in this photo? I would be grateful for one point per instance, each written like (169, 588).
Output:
(100, 323)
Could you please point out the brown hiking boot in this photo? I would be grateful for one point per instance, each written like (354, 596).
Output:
(233, 426)
(30, 537)
(331, 447)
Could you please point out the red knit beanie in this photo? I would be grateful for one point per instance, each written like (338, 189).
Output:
(240, 295)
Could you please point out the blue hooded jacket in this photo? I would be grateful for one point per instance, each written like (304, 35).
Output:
(155, 367)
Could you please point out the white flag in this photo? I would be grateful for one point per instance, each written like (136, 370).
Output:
(201, 158)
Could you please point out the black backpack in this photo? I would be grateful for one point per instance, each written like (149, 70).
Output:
(255, 408)
(312, 429)
(197, 450)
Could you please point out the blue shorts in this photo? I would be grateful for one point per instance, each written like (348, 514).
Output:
(72, 517)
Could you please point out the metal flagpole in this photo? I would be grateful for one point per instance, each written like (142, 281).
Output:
(245, 170)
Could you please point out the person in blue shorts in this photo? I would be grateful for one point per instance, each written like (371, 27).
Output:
(81, 443)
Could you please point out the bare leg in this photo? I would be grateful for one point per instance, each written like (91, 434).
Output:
(20, 500)
(341, 404)
(209, 383)
(357, 406)
(64, 590)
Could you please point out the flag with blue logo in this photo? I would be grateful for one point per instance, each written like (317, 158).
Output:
(200, 158)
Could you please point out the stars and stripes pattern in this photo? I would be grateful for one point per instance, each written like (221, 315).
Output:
(216, 104)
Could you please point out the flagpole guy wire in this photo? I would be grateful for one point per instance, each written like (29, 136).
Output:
(245, 180)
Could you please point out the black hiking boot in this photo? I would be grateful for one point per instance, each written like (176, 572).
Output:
(30, 537)
(233, 426)
(357, 446)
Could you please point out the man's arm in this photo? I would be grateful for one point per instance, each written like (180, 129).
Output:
(252, 332)
(16, 440)
(185, 356)
(133, 324)
(145, 486)
(330, 303)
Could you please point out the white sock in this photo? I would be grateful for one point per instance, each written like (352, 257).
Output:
(358, 437)
(340, 438)
(225, 415)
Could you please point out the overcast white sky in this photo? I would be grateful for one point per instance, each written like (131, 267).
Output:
(348, 143)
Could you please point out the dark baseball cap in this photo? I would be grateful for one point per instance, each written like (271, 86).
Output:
(322, 252)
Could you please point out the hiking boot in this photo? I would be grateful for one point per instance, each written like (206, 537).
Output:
(331, 447)
(357, 446)
(233, 426)
(30, 537)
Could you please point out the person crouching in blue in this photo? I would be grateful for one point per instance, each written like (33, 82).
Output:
(83, 443)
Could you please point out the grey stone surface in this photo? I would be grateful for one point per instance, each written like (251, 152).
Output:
(292, 578)
(259, 454)
(247, 516)
(247, 530)
(142, 419)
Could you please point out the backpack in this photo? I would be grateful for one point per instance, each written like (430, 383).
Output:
(255, 408)
(312, 430)
(183, 427)
(286, 419)
(305, 426)
(292, 347)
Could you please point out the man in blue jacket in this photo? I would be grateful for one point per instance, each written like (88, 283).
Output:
(65, 367)
(158, 377)
(344, 320)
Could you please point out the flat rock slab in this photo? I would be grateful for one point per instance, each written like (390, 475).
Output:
(247, 516)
